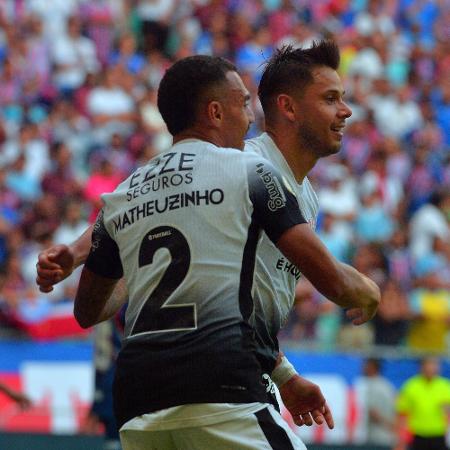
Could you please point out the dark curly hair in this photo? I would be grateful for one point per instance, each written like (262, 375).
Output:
(185, 85)
(290, 69)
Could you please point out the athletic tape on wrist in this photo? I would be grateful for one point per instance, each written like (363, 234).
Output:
(283, 372)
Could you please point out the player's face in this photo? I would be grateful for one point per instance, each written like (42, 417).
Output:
(238, 114)
(322, 113)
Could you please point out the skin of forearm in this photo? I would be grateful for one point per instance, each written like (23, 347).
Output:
(80, 248)
(358, 290)
(117, 299)
(94, 291)
(340, 283)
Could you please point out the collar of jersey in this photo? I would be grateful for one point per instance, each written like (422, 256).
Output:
(280, 160)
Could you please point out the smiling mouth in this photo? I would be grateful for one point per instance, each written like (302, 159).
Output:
(339, 130)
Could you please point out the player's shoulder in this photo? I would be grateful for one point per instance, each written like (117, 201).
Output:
(258, 145)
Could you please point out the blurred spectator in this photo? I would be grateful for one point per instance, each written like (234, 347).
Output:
(366, 61)
(430, 223)
(393, 316)
(423, 403)
(374, 18)
(399, 258)
(379, 395)
(373, 223)
(337, 243)
(152, 120)
(61, 181)
(42, 217)
(441, 106)
(430, 305)
(127, 55)
(398, 116)
(99, 18)
(20, 182)
(339, 198)
(72, 224)
(54, 18)
(370, 261)
(251, 56)
(377, 179)
(110, 107)
(32, 148)
(356, 147)
(74, 56)
(102, 179)
(154, 16)
(38, 54)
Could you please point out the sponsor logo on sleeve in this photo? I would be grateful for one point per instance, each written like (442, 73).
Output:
(277, 198)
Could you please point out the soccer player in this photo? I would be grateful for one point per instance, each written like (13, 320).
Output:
(306, 79)
(183, 230)
(301, 95)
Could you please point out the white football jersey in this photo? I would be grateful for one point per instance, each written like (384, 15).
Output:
(183, 230)
(275, 276)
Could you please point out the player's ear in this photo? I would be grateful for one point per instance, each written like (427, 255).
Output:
(214, 111)
(286, 106)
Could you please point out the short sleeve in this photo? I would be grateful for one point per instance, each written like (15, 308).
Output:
(104, 257)
(402, 400)
(275, 205)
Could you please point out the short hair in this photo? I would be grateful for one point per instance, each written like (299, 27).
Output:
(375, 363)
(185, 85)
(290, 69)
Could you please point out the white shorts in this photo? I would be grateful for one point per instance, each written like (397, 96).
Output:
(264, 429)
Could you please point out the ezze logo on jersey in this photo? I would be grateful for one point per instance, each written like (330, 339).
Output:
(277, 198)
(169, 170)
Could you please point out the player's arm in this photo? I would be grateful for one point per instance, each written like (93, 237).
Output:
(100, 275)
(302, 398)
(91, 303)
(277, 211)
(340, 283)
(58, 261)
(21, 399)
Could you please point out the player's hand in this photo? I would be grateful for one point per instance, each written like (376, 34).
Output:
(54, 265)
(21, 399)
(372, 298)
(91, 424)
(306, 403)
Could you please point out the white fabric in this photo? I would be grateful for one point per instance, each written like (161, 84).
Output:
(283, 372)
(275, 286)
(426, 224)
(243, 432)
(194, 415)
(154, 10)
(79, 55)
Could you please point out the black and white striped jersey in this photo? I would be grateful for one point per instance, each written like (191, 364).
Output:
(183, 230)
(275, 276)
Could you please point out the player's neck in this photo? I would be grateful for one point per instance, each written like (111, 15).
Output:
(299, 159)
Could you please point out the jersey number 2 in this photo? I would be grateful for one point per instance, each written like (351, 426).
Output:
(155, 316)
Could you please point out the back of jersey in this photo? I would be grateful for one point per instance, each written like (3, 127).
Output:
(183, 226)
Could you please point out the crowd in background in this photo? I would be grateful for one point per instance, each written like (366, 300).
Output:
(78, 83)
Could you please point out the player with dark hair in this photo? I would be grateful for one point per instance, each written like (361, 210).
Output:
(182, 91)
(302, 98)
(183, 230)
